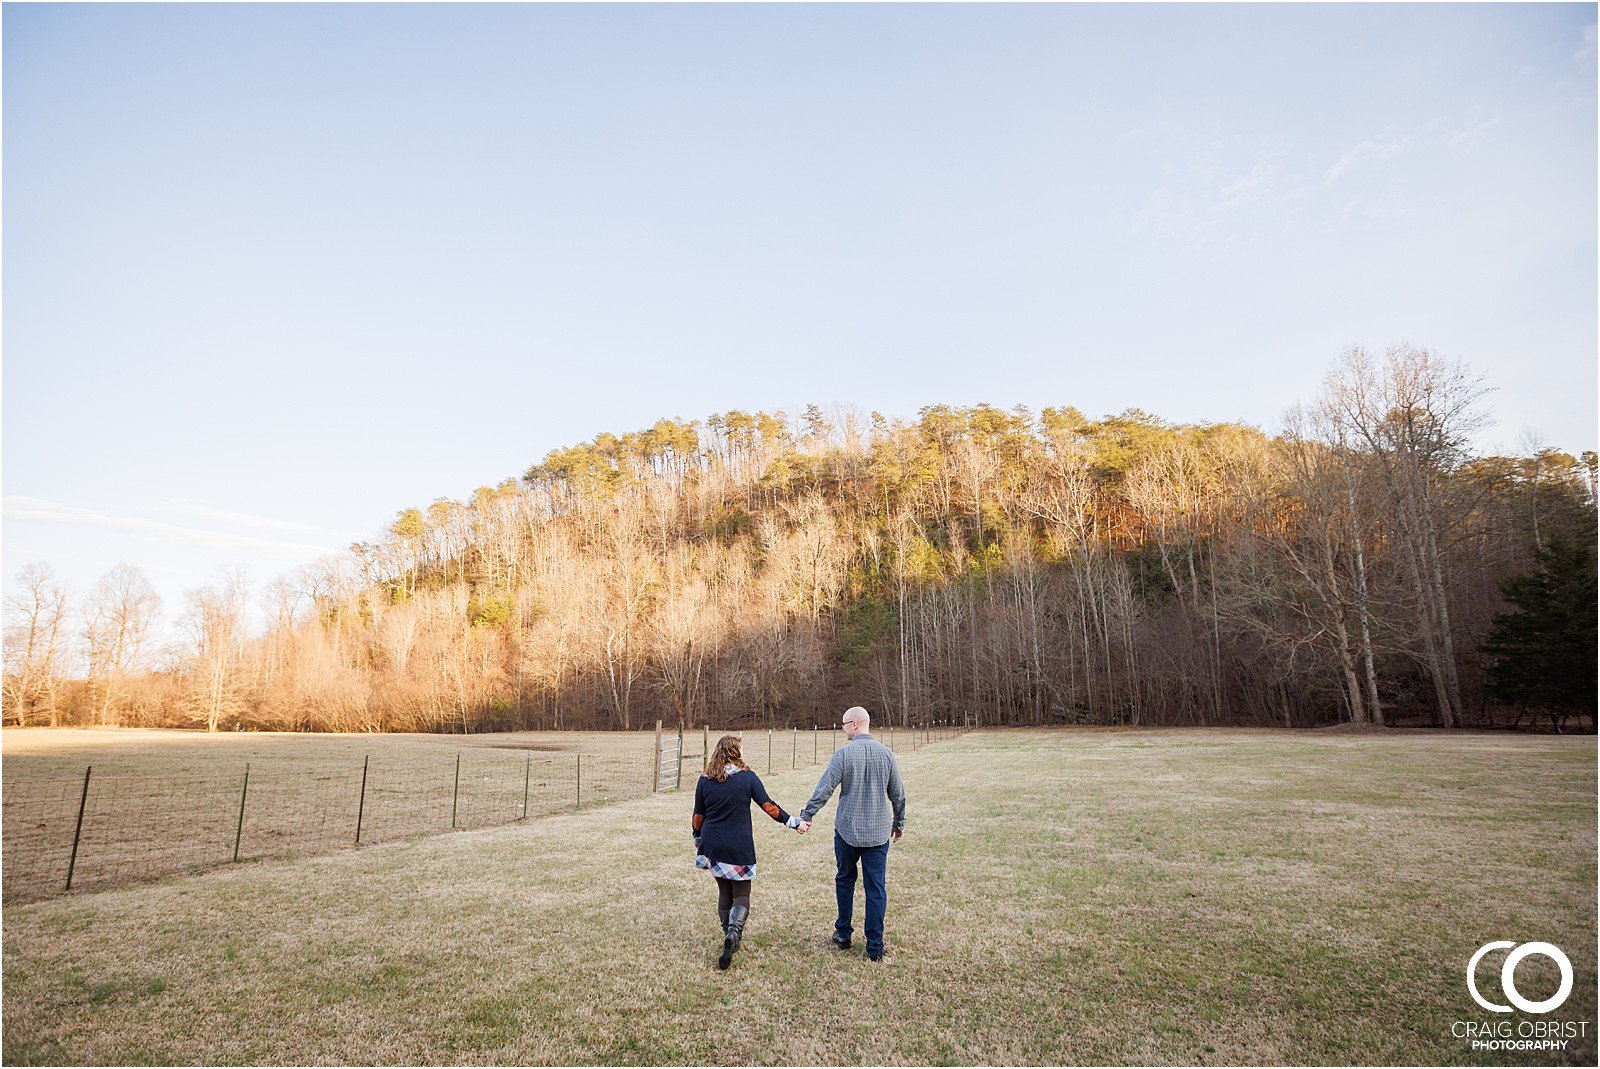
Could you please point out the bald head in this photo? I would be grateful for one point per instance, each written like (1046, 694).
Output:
(855, 721)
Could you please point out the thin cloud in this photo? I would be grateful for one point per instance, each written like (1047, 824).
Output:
(1367, 151)
(1473, 134)
(1262, 181)
(39, 510)
(245, 519)
(1386, 210)
(1440, 131)
(1587, 49)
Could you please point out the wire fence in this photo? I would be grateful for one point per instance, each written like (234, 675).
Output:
(99, 830)
(782, 749)
(91, 831)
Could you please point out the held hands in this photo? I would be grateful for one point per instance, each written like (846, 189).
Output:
(805, 826)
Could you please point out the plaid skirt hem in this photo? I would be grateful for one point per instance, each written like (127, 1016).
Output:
(726, 869)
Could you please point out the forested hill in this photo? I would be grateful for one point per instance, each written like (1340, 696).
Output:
(1026, 568)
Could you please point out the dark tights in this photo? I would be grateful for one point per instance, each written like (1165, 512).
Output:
(732, 893)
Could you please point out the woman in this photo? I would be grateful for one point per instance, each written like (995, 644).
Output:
(723, 841)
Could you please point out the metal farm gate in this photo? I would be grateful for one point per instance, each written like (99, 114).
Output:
(670, 757)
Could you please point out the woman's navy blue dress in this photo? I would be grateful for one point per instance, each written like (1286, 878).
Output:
(724, 841)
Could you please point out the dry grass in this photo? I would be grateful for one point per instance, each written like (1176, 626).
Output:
(1066, 897)
(40, 753)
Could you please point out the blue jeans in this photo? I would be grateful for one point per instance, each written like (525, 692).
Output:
(874, 862)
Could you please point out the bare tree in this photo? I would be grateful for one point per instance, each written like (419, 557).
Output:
(1289, 572)
(620, 616)
(1413, 412)
(215, 622)
(683, 633)
(117, 618)
(33, 650)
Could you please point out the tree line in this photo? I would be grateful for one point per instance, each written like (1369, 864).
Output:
(1360, 566)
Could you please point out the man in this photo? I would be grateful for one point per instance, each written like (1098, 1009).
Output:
(872, 808)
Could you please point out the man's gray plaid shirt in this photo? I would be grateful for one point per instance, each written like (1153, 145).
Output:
(868, 778)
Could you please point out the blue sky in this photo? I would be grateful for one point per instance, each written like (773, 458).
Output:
(272, 273)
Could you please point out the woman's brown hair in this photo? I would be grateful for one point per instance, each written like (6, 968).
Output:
(728, 752)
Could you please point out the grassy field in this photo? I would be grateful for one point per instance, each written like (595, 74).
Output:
(1061, 897)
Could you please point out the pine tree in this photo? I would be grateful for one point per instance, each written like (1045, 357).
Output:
(1543, 650)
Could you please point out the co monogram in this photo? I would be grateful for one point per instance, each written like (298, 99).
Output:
(1508, 980)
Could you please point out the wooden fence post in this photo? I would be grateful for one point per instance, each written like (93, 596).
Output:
(655, 778)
